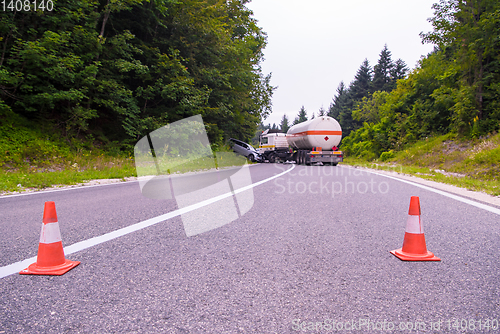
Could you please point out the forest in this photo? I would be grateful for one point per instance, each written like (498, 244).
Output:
(454, 89)
(114, 70)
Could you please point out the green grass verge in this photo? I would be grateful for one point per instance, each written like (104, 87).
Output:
(93, 167)
(86, 166)
(147, 165)
(36, 157)
(470, 164)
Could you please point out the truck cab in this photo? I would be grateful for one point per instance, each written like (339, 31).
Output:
(273, 145)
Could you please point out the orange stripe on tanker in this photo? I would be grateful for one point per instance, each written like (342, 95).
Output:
(317, 133)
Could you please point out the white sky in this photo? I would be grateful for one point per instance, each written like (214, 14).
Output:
(315, 44)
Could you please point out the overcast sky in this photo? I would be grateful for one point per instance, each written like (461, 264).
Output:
(315, 44)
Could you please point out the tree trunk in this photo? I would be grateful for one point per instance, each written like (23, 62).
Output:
(105, 19)
(479, 89)
(7, 40)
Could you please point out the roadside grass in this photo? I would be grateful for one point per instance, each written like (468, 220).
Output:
(86, 165)
(34, 158)
(79, 169)
(147, 165)
(470, 164)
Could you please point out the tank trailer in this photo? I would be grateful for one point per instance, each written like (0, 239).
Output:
(305, 143)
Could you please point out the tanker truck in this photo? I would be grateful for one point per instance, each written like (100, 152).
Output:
(305, 143)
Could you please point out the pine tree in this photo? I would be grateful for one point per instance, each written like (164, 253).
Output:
(362, 84)
(398, 72)
(382, 78)
(339, 101)
(321, 112)
(285, 124)
(359, 88)
(301, 117)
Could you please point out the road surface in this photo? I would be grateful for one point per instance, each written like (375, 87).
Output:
(311, 255)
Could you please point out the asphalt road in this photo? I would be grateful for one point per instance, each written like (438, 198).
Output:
(311, 255)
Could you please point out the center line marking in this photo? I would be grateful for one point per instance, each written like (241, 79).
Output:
(76, 247)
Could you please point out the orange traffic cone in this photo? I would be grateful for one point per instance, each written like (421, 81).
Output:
(50, 259)
(414, 248)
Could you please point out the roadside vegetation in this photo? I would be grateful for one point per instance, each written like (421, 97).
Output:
(100, 71)
(473, 164)
(441, 120)
(35, 158)
(81, 84)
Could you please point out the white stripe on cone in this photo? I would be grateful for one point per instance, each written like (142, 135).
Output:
(414, 225)
(50, 233)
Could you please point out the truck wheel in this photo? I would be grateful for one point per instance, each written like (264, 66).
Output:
(272, 158)
(334, 163)
(300, 157)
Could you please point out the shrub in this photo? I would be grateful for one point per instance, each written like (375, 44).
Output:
(387, 155)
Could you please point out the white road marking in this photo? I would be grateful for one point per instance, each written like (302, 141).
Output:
(18, 266)
(73, 187)
(80, 186)
(437, 191)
